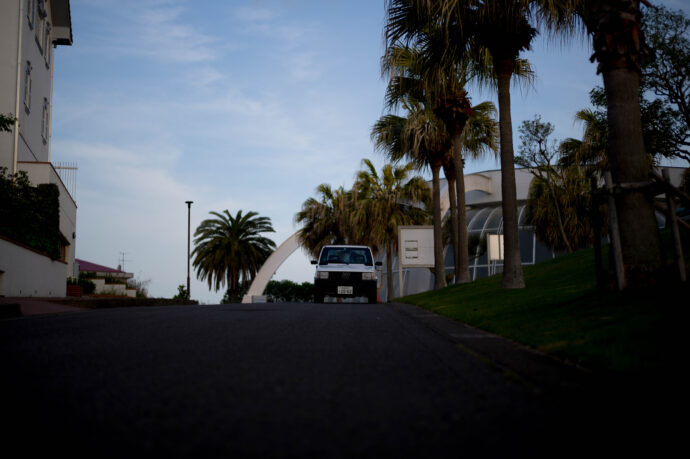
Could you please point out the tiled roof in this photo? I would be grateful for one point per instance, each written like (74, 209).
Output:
(88, 266)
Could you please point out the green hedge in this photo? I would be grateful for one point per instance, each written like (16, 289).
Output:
(30, 215)
(87, 286)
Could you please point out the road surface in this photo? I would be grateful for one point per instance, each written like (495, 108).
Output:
(282, 380)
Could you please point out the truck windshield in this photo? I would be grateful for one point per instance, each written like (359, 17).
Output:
(346, 255)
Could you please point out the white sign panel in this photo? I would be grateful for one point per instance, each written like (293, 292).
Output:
(495, 247)
(416, 246)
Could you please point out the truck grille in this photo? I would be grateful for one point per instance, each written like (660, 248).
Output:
(346, 276)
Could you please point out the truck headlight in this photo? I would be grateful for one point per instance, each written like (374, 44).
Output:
(322, 275)
(369, 276)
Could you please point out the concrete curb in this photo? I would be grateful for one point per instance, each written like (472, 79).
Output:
(535, 369)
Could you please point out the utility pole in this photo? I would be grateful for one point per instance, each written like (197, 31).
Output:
(189, 212)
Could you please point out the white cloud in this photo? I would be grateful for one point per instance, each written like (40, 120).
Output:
(255, 14)
(154, 30)
(304, 66)
(204, 76)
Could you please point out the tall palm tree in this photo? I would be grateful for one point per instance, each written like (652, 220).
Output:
(478, 138)
(619, 49)
(492, 33)
(387, 201)
(444, 94)
(427, 71)
(230, 250)
(422, 139)
(502, 32)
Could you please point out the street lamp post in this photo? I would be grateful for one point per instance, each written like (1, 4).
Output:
(189, 212)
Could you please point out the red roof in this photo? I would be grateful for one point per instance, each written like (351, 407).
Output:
(88, 266)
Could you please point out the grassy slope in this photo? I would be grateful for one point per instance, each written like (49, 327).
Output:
(563, 313)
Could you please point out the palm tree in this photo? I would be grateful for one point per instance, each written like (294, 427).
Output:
(422, 139)
(593, 149)
(230, 250)
(427, 72)
(502, 32)
(478, 138)
(492, 33)
(591, 152)
(571, 227)
(444, 102)
(327, 220)
(387, 201)
(444, 94)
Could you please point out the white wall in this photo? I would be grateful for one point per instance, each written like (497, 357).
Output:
(112, 289)
(31, 144)
(24, 272)
(523, 178)
(9, 12)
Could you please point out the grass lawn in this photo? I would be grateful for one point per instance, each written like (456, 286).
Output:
(562, 312)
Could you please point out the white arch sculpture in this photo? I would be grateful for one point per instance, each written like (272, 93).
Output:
(475, 182)
(270, 267)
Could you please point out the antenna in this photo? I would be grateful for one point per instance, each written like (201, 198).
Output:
(121, 260)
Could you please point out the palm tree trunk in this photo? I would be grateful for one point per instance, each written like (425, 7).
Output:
(231, 288)
(454, 223)
(512, 267)
(389, 271)
(614, 25)
(639, 234)
(439, 270)
(234, 284)
(462, 273)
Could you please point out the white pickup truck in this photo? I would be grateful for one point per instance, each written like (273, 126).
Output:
(345, 271)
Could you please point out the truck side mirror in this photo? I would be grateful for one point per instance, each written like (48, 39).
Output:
(379, 263)
(313, 262)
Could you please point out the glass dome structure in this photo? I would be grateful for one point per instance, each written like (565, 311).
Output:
(481, 222)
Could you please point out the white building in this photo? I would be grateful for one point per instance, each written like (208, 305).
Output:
(107, 281)
(30, 30)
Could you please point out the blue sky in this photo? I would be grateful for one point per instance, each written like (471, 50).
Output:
(236, 104)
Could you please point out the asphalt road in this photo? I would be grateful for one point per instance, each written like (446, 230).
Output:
(279, 380)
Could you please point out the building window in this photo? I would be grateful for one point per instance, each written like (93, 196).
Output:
(42, 25)
(45, 120)
(42, 8)
(46, 43)
(40, 31)
(27, 87)
(31, 12)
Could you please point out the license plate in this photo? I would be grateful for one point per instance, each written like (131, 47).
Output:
(344, 290)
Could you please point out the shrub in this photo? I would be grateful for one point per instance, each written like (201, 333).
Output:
(141, 287)
(87, 286)
(30, 215)
(181, 293)
(114, 280)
